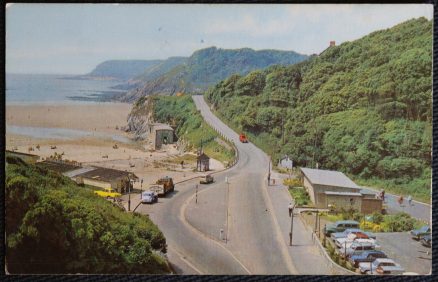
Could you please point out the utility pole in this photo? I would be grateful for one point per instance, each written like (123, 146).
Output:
(291, 225)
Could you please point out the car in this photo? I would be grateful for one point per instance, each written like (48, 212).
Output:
(340, 242)
(419, 233)
(340, 226)
(386, 265)
(149, 197)
(206, 179)
(107, 193)
(389, 270)
(426, 241)
(243, 138)
(356, 248)
(361, 241)
(366, 256)
(344, 234)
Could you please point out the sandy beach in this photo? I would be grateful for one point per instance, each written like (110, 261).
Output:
(92, 150)
(102, 117)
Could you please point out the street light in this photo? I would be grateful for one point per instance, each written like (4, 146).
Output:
(228, 200)
(291, 225)
(131, 181)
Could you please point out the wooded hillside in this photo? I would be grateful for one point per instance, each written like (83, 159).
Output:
(364, 108)
(55, 226)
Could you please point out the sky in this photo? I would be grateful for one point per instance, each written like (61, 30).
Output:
(74, 38)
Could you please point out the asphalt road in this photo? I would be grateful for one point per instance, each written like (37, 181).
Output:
(258, 222)
(418, 210)
(254, 233)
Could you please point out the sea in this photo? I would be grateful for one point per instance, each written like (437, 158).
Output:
(36, 89)
(57, 89)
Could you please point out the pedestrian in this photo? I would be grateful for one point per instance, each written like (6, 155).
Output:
(410, 200)
(400, 200)
(290, 209)
(383, 195)
(269, 179)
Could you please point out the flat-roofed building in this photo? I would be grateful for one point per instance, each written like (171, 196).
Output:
(28, 158)
(102, 177)
(328, 188)
(318, 181)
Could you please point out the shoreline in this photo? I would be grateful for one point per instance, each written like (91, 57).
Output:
(103, 120)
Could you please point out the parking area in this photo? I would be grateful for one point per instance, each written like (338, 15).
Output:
(409, 253)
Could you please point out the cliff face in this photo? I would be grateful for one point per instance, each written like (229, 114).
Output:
(140, 115)
(207, 67)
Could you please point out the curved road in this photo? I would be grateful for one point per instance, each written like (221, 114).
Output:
(257, 229)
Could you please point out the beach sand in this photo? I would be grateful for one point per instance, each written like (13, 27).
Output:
(102, 117)
(136, 157)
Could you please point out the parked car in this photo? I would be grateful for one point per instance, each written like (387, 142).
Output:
(340, 226)
(426, 241)
(386, 265)
(149, 197)
(344, 234)
(206, 179)
(107, 193)
(419, 233)
(340, 242)
(361, 241)
(356, 248)
(366, 256)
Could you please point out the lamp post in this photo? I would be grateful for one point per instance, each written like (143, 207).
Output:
(228, 202)
(291, 225)
(129, 193)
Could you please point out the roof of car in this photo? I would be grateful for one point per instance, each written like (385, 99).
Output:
(346, 221)
(384, 260)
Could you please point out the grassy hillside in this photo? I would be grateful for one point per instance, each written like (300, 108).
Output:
(363, 107)
(55, 226)
(208, 66)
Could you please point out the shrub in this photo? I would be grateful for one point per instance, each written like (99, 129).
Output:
(377, 217)
(294, 182)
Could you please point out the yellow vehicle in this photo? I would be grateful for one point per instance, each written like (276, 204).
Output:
(107, 193)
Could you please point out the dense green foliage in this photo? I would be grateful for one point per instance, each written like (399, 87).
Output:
(364, 108)
(55, 226)
(122, 69)
(208, 66)
(300, 196)
(181, 113)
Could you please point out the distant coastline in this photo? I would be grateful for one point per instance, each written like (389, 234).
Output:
(62, 88)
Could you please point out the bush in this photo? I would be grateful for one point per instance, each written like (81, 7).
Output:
(55, 226)
(300, 196)
(293, 182)
(377, 218)
(399, 222)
